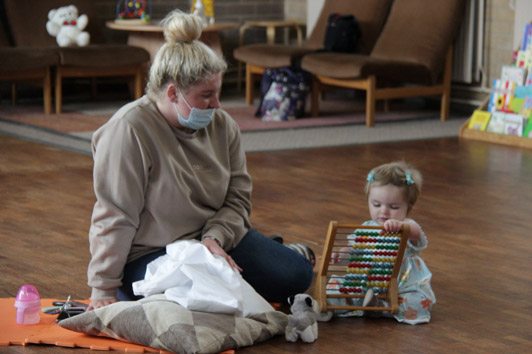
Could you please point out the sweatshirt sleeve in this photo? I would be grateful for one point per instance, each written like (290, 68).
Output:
(120, 177)
(231, 222)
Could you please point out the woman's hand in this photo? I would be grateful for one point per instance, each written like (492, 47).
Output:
(96, 304)
(214, 247)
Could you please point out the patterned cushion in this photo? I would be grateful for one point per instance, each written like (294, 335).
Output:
(158, 323)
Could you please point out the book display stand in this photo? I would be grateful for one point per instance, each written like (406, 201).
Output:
(512, 140)
(505, 117)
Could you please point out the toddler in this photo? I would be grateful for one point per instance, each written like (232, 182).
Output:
(391, 191)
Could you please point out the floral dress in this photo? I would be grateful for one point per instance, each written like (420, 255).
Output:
(416, 297)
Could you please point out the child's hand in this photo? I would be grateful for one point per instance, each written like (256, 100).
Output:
(393, 225)
(335, 258)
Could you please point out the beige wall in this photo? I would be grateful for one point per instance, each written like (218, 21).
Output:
(523, 15)
(499, 37)
(295, 9)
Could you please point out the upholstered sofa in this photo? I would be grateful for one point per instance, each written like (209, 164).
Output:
(27, 64)
(26, 27)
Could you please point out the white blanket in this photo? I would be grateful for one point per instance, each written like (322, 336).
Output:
(198, 280)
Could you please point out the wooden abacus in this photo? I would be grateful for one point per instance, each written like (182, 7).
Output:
(373, 261)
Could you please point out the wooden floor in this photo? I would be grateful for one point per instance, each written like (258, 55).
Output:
(476, 209)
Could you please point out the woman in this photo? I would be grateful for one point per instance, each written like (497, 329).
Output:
(169, 166)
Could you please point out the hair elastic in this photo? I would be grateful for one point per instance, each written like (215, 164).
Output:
(371, 177)
(408, 177)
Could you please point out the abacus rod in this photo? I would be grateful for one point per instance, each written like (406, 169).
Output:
(347, 307)
(357, 226)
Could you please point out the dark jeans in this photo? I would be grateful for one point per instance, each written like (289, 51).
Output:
(273, 270)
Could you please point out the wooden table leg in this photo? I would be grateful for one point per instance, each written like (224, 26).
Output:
(212, 39)
(151, 41)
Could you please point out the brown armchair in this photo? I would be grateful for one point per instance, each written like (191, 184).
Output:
(412, 57)
(371, 15)
(27, 22)
(27, 64)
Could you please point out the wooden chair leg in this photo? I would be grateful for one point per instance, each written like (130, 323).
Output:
(315, 97)
(239, 77)
(58, 91)
(138, 91)
(47, 91)
(446, 95)
(250, 91)
(370, 101)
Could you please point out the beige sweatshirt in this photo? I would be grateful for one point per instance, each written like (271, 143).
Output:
(155, 184)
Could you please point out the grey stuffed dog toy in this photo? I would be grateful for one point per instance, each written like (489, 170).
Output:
(303, 320)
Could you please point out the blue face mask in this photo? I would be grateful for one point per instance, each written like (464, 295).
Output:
(197, 119)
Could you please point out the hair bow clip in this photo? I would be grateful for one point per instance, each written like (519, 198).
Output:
(409, 179)
(371, 177)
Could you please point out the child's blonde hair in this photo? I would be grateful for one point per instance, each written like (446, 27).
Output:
(183, 59)
(399, 174)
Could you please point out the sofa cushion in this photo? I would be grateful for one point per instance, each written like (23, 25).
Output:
(102, 55)
(270, 55)
(355, 66)
(370, 14)
(26, 58)
(419, 32)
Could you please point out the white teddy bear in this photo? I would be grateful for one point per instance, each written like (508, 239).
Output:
(64, 24)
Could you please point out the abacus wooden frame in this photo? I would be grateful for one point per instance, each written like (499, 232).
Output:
(326, 268)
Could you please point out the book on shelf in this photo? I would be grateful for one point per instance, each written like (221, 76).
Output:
(501, 95)
(526, 108)
(479, 120)
(528, 129)
(528, 80)
(496, 123)
(514, 73)
(513, 124)
(524, 58)
(527, 37)
(519, 102)
(516, 105)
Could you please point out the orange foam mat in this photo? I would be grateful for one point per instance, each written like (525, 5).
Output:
(47, 331)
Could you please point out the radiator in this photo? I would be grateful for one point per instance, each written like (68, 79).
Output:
(468, 58)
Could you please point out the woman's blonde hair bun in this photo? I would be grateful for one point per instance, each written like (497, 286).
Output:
(183, 60)
(180, 27)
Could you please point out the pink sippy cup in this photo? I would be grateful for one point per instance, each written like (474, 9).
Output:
(28, 304)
